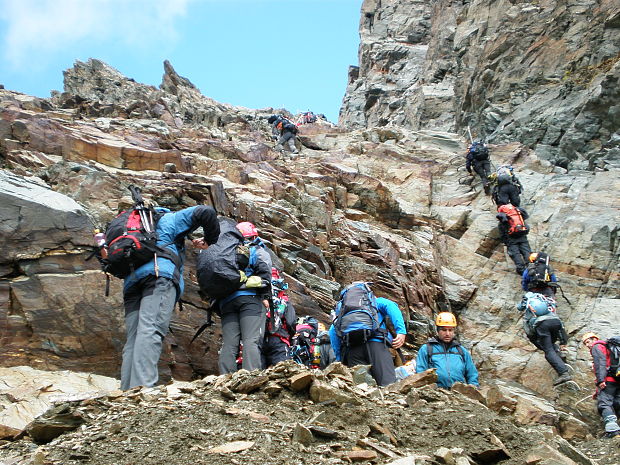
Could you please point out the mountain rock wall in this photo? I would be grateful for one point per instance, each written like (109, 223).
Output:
(543, 73)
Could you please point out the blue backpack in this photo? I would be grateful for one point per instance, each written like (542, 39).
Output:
(357, 317)
(536, 308)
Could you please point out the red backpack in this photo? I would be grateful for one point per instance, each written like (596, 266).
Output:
(516, 225)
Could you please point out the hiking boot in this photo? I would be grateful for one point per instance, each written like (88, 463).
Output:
(612, 434)
(564, 377)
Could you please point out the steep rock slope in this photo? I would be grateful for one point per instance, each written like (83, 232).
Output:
(544, 73)
(388, 205)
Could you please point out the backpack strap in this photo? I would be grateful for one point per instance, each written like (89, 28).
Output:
(430, 353)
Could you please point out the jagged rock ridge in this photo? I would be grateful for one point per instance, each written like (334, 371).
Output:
(542, 73)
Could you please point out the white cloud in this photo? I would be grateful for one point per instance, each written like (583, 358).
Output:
(38, 28)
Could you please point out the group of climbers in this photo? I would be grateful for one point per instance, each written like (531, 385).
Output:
(541, 322)
(235, 271)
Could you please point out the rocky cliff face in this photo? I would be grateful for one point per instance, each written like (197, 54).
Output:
(543, 73)
(386, 204)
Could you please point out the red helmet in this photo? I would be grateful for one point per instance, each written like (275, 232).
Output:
(274, 273)
(247, 229)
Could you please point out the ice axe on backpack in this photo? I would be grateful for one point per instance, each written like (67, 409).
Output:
(207, 323)
(146, 216)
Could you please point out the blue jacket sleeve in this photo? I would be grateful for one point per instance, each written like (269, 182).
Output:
(335, 342)
(471, 373)
(190, 219)
(525, 278)
(390, 308)
(421, 361)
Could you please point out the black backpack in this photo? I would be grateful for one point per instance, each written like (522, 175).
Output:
(479, 151)
(539, 272)
(613, 346)
(218, 267)
(131, 240)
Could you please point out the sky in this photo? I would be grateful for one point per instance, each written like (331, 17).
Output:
(291, 54)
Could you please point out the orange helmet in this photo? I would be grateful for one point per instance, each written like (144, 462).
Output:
(446, 319)
(247, 229)
(533, 257)
(587, 336)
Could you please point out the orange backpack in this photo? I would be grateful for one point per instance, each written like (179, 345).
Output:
(516, 225)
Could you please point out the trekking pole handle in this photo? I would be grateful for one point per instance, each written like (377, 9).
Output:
(136, 195)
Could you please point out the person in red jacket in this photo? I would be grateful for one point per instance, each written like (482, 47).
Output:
(607, 382)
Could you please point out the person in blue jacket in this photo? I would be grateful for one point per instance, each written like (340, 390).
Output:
(374, 350)
(539, 265)
(152, 290)
(443, 352)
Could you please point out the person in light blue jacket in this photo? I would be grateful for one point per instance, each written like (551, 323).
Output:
(451, 360)
(151, 291)
(373, 349)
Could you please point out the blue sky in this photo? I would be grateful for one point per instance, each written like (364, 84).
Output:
(253, 53)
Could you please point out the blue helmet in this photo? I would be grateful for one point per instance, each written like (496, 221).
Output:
(538, 306)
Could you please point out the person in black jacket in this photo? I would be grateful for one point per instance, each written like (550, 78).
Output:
(518, 246)
(478, 158)
(286, 130)
(506, 193)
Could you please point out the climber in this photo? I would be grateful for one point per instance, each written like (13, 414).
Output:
(151, 291)
(478, 158)
(513, 233)
(273, 121)
(326, 352)
(280, 327)
(243, 312)
(539, 277)
(506, 187)
(607, 373)
(543, 328)
(286, 130)
(444, 353)
(359, 335)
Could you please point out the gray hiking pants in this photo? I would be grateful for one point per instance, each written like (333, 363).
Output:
(288, 138)
(148, 309)
(243, 320)
(606, 397)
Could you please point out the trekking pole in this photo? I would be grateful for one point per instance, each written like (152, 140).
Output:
(583, 400)
(471, 139)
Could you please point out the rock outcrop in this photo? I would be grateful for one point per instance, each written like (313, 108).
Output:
(541, 73)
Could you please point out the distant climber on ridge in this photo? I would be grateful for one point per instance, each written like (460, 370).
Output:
(286, 131)
(478, 158)
(444, 353)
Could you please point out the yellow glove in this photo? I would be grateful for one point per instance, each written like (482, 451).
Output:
(243, 277)
(254, 281)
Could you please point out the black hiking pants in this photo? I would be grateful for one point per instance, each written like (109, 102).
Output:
(483, 169)
(547, 333)
(274, 351)
(376, 354)
(519, 251)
